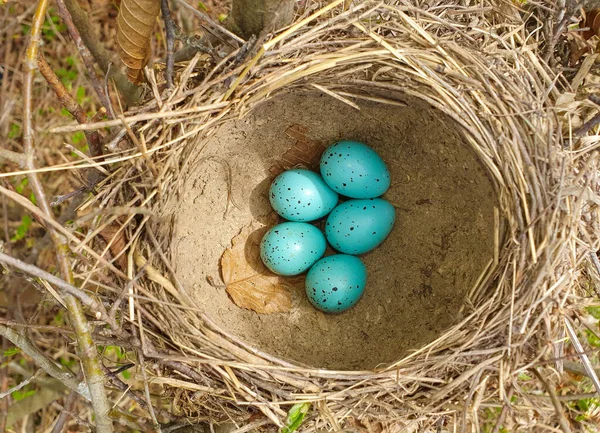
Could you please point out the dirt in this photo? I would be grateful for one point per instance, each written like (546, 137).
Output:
(418, 278)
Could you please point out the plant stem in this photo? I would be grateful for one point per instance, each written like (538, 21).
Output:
(51, 368)
(85, 346)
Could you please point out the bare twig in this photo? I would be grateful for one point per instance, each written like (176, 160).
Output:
(85, 54)
(20, 385)
(16, 157)
(85, 345)
(170, 32)
(558, 409)
(65, 413)
(88, 301)
(65, 98)
(49, 366)
(102, 57)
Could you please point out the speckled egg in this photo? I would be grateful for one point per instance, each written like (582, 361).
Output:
(358, 226)
(291, 248)
(301, 195)
(336, 283)
(355, 170)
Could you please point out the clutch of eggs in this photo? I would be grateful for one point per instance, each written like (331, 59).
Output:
(351, 169)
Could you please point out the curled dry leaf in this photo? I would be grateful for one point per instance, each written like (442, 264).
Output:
(135, 24)
(115, 237)
(248, 282)
(592, 20)
(304, 153)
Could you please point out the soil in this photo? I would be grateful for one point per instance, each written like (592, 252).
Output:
(418, 278)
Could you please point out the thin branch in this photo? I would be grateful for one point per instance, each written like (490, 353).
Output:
(85, 54)
(85, 346)
(558, 409)
(21, 385)
(96, 307)
(49, 366)
(16, 157)
(170, 32)
(102, 57)
(65, 98)
(64, 413)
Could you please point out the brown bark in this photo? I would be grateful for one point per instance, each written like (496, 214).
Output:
(252, 17)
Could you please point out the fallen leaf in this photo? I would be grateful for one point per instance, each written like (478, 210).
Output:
(248, 282)
(304, 153)
(113, 235)
(592, 20)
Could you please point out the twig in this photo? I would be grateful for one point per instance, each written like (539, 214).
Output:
(85, 345)
(102, 57)
(65, 412)
(93, 138)
(20, 385)
(85, 54)
(170, 32)
(113, 380)
(52, 369)
(210, 22)
(16, 157)
(588, 126)
(96, 307)
(558, 409)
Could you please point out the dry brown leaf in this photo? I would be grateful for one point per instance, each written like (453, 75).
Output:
(135, 24)
(304, 153)
(117, 241)
(592, 20)
(249, 283)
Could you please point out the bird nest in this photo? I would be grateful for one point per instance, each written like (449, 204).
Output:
(468, 122)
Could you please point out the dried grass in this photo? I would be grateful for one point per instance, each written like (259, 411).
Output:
(477, 65)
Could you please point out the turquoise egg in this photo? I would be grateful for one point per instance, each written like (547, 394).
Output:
(291, 248)
(358, 226)
(355, 170)
(301, 195)
(336, 283)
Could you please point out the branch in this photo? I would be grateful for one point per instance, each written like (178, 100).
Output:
(96, 307)
(102, 57)
(65, 98)
(558, 409)
(85, 54)
(51, 368)
(16, 157)
(85, 346)
(170, 32)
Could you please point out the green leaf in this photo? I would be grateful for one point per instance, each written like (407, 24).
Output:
(11, 351)
(20, 395)
(295, 417)
(23, 228)
(80, 95)
(594, 311)
(592, 338)
(14, 131)
(126, 374)
(222, 17)
(202, 6)
(21, 185)
(524, 376)
(78, 137)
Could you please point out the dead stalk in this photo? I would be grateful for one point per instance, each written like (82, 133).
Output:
(85, 345)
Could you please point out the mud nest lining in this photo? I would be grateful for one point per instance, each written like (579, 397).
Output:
(495, 166)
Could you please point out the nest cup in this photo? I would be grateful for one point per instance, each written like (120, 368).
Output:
(475, 158)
